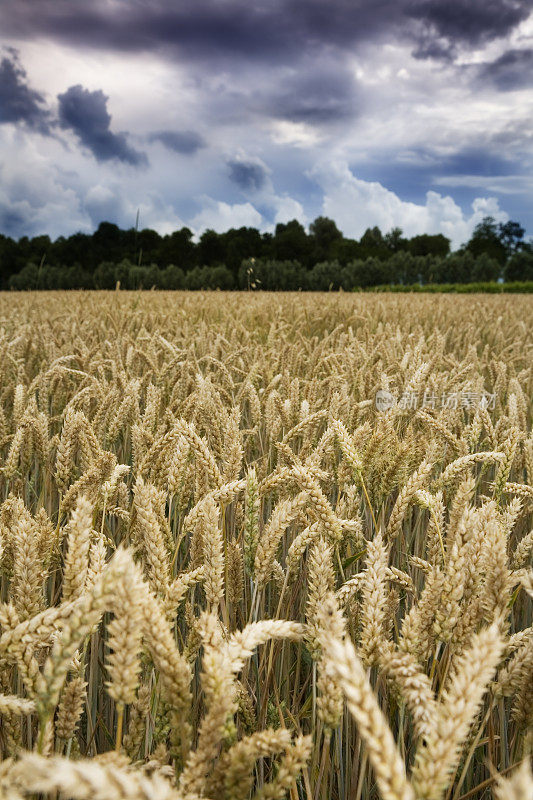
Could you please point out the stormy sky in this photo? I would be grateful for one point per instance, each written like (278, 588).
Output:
(222, 113)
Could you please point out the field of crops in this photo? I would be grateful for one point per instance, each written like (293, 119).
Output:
(227, 571)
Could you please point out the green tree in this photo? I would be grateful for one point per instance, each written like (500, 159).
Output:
(324, 235)
(345, 250)
(75, 249)
(520, 266)
(394, 240)
(105, 275)
(429, 245)
(107, 242)
(240, 243)
(486, 238)
(27, 278)
(291, 242)
(325, 276)
(211, 248)
(485, 268)
(178, 248)
(173, 277)
(373, 245)
(457, 268)
(511, 236)
(11, 258)
(148, 244)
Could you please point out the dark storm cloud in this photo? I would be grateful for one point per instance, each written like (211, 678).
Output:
(12, 221)
(516, 136)
(512, 70)
(471, 21)
(248, 175)
(318, 95)
(18, 102)
(86, 114)
(206, 28)
(263, 30)
(434, 48)
(259, 74)
(183, 142)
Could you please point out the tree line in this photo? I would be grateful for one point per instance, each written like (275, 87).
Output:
(321, 258)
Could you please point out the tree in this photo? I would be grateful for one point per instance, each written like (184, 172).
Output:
(11, 260)
(520, 266)
(105, 275)
(173, 277)
(405, 268)
(240, 243)
(27, 278)
(289, 258)
(511, 236)
(395, 240)
(373, 245)
(429, 245)
(148, 243)
(345, 250)
(123, 274)
(220, 278)
(324, 276)
(371, 272)
(457, 268)
(290, 242)
(486, 238)
(324, 234)
(178, 248)
(485, 268)
(78, 248)
(211, 248)
(107, 237)
(272, 275)
(40, 248)
(372, 237)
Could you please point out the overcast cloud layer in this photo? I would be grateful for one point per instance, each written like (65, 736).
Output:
(222, 113)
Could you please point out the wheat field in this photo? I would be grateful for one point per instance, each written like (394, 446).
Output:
(225, 573)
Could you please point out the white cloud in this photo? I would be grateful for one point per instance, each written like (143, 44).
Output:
(109, 203)
(156, 213)
(220, 216)
(287, 209)
(294, 133)
(356, 205)
(101, 203)
(35, 196)
(162, 89)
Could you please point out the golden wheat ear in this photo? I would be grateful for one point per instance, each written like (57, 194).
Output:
(383, 753)
(439, 755)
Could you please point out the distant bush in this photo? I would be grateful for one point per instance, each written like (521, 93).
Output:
(272, 275)
(459, 272)
(27, 278)
(490, 287)
(520, 267)
(173, 277)
(209, 278)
